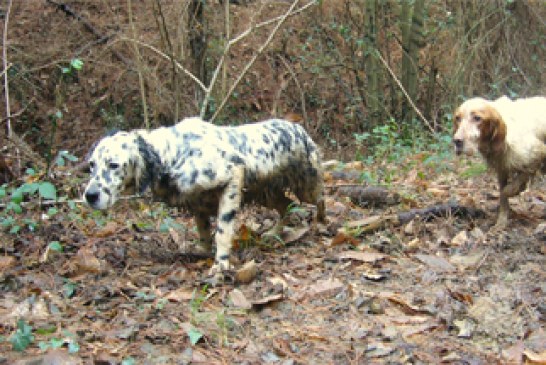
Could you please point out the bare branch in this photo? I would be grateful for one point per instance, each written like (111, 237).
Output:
(167, 57)
(5, 66)
(427, 123)
(281, 21)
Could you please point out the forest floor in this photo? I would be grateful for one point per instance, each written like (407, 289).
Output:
(119, 287)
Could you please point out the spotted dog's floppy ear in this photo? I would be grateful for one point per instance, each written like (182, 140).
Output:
(148, 166)
(93, 146)
(492, 130)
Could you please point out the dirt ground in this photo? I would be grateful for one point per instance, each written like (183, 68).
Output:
(437, 290)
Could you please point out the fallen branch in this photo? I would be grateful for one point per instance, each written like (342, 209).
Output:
(374, 223)
(366, 196)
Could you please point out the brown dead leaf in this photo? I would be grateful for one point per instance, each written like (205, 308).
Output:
(246, 273)
(87, 262)
(175, 236)
(436, 263)
(7, 262)
(57, 357)
(294, 234)
(180, 295)
(406, 307)
(364, 256)
(108, 230)
(534, 358)
(239, 300)
(414, 330)
(460, 239)
(437, 192)
(341, 238)
(461, 297)
(368, 221)
(324, 288)
(514, 354)
(268, 299)
(277, 280)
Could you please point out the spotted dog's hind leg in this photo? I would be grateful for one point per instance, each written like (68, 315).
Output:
(229, 205)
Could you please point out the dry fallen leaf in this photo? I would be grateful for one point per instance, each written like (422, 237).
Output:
(7, 262)
(180, 295)
(534, 358)
(436, 263)
(289, 236)
(108, 230)
(460, 239)
(268, 299)
(87, 262)
(239, 300)
(341, 238)
(324, 288)
(364, 256)
(247, 272)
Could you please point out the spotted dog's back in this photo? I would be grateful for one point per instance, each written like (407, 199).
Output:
(212, 170)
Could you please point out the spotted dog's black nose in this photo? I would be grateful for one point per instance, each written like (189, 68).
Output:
(92, 197)
(458, 145)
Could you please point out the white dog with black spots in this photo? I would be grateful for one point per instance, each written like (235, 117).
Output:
(210, 171)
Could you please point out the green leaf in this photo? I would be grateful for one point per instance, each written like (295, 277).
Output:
(76, 64)
(43, 345)
(59, 161)
(56, 342)
(128, 361)
(17, 196)
(65, 70)
(69, 288)
(46, 330)
(52, 211)
(15, 207)
(2, 192)
(47, 190)
(56, 246)
(23, 337)
(15, 229)
(29, 188)
(73, 347)
(194, 336)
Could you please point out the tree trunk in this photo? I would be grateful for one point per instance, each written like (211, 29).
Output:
(371, 63)
(198, 42)
(412, 42)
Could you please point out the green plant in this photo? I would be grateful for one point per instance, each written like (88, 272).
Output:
(23, 337)
(10, 217)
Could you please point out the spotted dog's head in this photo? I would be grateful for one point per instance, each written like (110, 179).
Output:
(478, 126)
(115, 165)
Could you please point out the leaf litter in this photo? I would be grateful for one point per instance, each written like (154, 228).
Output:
(438, 286)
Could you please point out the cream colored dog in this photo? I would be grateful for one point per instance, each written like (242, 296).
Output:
(510, 135)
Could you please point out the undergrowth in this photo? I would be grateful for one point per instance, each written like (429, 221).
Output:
(397, 150)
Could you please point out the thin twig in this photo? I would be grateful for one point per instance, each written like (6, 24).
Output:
(427, 123)
(254, 58)
(5, 65)
(281, 19)
(139, 68)
(298, 85)
(167, 57)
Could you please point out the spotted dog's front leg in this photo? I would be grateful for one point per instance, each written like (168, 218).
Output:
(230, 202)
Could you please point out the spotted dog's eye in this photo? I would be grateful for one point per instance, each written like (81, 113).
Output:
(113, 165)
(91, 165)
(477, 118)
(457, 118)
